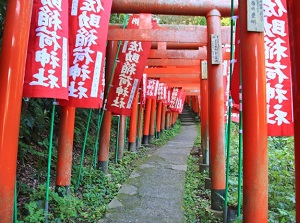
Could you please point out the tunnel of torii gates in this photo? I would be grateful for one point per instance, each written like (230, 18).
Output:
(175, 59)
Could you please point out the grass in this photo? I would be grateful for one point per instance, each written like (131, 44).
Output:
(196, 197)
(90, 202)
(281, 195)
(168, 134)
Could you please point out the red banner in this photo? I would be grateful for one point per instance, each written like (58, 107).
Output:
(180, 102)
(226, 80)
(162, 94)
(152, 88)
(176, 93)
(235, 81)
(87, 35)
(143, 90)
(278, 74)
(277, 53)
(46, 73)
(128, 72)
(168, 101)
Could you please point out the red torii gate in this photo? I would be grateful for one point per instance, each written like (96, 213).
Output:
(255, 199)
(215, 81)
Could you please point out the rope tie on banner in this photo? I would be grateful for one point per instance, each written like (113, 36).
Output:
(233, 61)
(235, 17)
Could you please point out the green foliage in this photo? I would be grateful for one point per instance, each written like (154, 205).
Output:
(96, 190)
(168, 134)
(281, 169)
(79, 132)
(90, 202)
(187, 20)
(61, 209)
(225, 21)
(34, 141)
(281, 182)
(196, 198)
(180, 20)
(117, 18)
(197, 142)
(2, 17)
(35, 117)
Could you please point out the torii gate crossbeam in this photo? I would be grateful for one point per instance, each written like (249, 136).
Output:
(173, 7)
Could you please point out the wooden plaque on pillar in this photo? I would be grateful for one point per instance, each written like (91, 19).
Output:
(204, 69)
(215, 49)
(255, 16)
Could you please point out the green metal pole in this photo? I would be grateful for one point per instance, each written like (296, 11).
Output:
(117, 140)
(49, 162)
(95, 153)
(240, 165)
(240, 147)
(125, 132)
(15, 205)
(228, 126)
(83, 148)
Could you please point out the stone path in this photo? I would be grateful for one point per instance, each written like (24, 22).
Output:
(154, 191)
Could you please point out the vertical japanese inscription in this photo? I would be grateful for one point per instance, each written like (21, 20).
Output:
(278, 86)
(46, 73)
(132, 93)
(255, 16)
(152, 88)
(86, 59)
(160, 92)
(174, 95)
(215, 49)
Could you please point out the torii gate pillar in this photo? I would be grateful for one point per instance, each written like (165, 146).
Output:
(12, 66)
(65, 150)
(204, 120)
(294, 23)
(132, 137)
(216, 109)
(104, 138)
(255, 137)
(145, 140)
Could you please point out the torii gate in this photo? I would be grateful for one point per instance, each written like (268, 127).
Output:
(255, 188)
(198, 35)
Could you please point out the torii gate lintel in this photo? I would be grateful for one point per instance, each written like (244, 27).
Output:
(173, 7)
